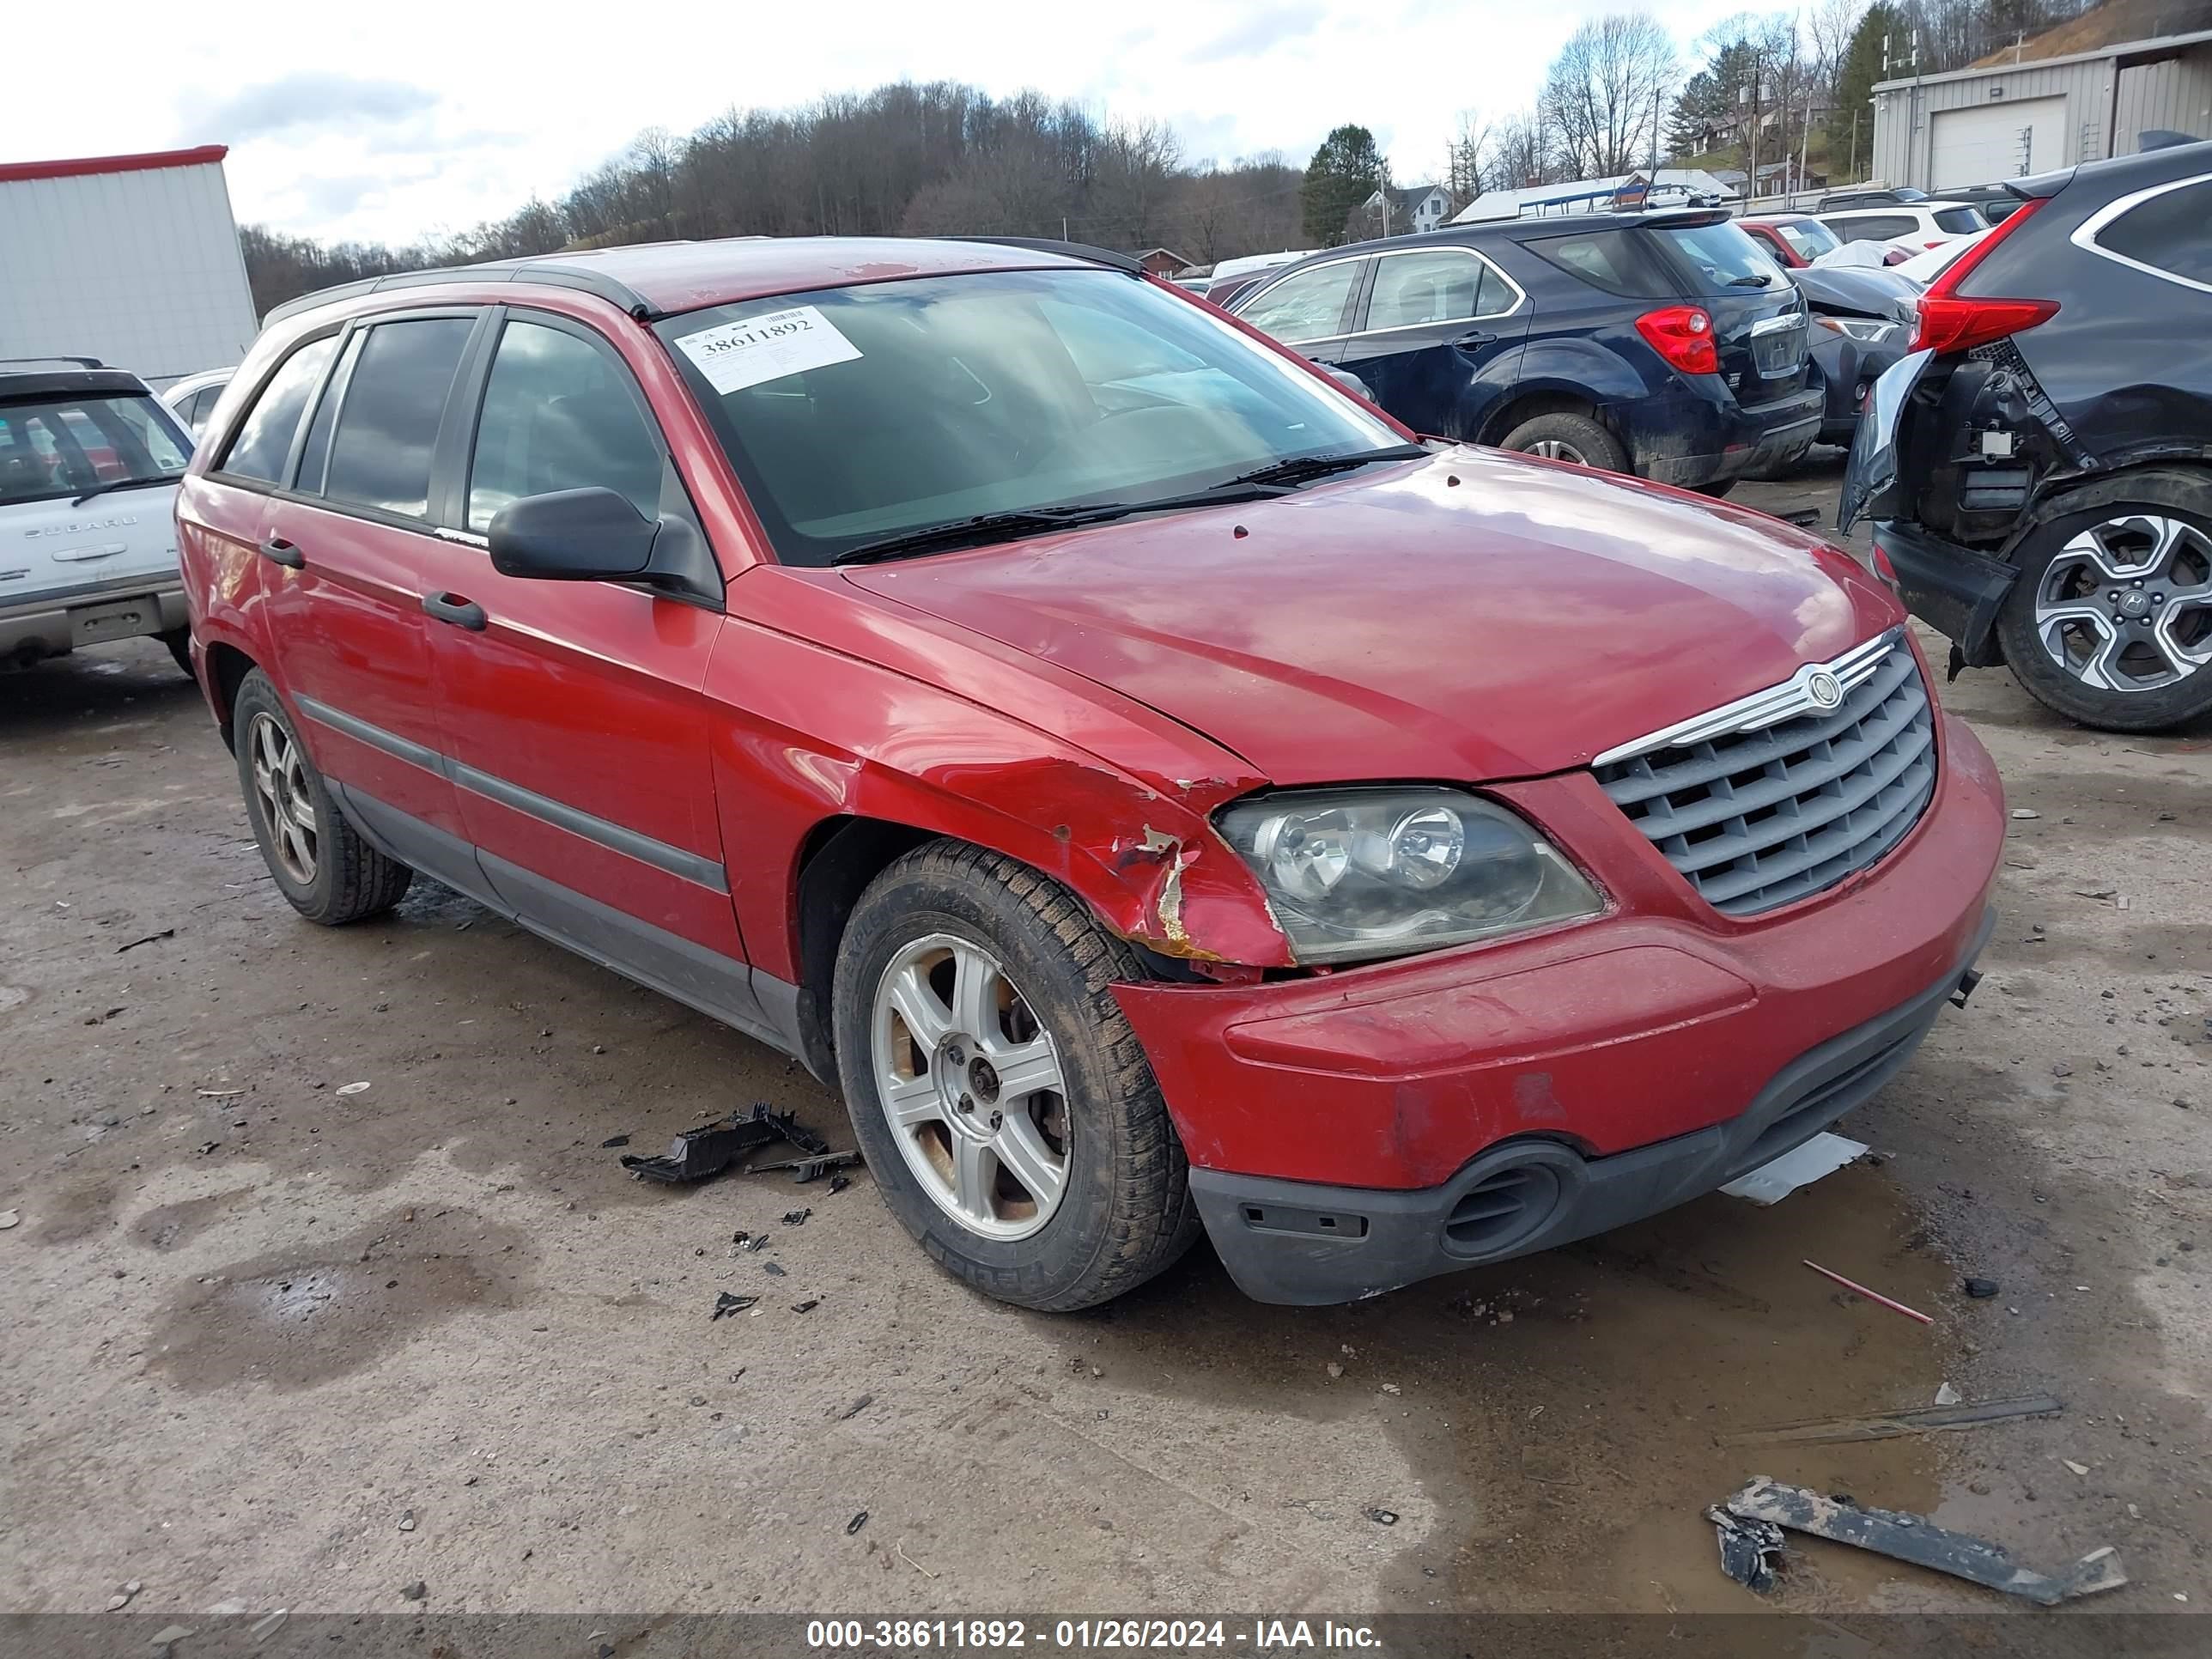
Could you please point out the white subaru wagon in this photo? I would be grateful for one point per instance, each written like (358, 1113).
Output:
(90, 460)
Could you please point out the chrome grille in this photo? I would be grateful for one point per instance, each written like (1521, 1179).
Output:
(1757, 812)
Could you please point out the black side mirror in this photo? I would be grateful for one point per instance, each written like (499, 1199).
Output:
(572, 535)
(1345, 377)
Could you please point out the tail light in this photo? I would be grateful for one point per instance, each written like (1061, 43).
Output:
(1950, 321)
(1683, 335)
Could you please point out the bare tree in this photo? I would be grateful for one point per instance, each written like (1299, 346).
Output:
(1519, 151)
(1463, 156)
(1605, 92)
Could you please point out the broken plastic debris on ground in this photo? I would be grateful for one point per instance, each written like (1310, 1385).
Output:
(701, 1153)
(1747, 1524)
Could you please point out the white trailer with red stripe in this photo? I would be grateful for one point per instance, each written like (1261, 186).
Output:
(130, 259)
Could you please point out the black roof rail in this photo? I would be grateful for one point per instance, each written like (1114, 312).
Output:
(57, 357)
(549, 272)
(1083, 251)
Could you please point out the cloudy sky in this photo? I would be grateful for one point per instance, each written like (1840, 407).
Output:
(399, 119)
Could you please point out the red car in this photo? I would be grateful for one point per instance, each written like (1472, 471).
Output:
(1158, 792)
(1793, 239)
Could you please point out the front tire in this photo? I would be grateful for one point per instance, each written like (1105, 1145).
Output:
(2109, 623)
(1004, 1107)
(319, 862)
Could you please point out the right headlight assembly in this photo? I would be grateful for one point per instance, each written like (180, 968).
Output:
(1357, 873)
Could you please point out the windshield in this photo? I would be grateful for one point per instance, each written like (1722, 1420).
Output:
(1808, 239)
(1720, 258)
(66, 445)
(855, 414)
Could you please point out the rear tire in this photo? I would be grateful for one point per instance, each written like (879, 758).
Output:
(2081, 651)
(1092, 1196)
(1575, 438)
(319, 862)
(180, 642)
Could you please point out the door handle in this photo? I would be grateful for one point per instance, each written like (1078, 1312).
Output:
(1476, 337)
(277, 550)
(452, 608)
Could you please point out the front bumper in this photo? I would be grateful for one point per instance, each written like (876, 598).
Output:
(1953, 589)
(58, 623)
(1302, 1243)
(1657, 1020)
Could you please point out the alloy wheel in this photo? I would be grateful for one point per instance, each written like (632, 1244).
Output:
(1557, 449)
(2127, 605)
(280, 781)
(971, 1085)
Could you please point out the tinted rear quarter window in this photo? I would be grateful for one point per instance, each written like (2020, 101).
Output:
(380, 453)
(1959, 221)
(1719, 259)
(1616, 261)
(2167, 233)
(263, 443)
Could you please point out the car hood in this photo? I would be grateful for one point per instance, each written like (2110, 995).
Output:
(1473, 616)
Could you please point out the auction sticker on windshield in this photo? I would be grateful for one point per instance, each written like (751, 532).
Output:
(760, 348)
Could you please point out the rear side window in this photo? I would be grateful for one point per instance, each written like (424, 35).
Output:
(1873, 227)
(557, 414)
(315, 453)
(1614, 260)
(2167, 233)
(1306, 305)
(1446, 286)
(264, 441)
(1959, 221)
(61, 446)
(1718, 259)
(380, 452)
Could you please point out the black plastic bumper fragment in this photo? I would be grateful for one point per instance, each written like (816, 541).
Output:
(1953, 589)
(1304, 1244)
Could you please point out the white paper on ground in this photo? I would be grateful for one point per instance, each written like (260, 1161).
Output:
(738, 354)
(1770, 1183)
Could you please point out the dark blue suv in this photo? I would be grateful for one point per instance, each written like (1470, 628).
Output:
(1666, 344)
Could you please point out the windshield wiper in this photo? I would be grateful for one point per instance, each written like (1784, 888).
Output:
(123, 483)
(1298, 469)
(989, 527)
(1752, 279)
(984, 527)
(1261, 483)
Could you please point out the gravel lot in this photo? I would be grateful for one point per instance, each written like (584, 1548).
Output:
(283, 1342)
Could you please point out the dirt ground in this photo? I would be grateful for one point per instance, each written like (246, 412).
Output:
(324, 1283)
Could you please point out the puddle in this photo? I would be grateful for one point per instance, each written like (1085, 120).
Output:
(1570, 1407)
(295, 1320)
(170, 1225)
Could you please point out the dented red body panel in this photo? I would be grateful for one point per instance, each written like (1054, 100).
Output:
(1084, 702)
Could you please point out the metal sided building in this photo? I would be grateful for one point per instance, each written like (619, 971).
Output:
(133, 259)
(2030, 109)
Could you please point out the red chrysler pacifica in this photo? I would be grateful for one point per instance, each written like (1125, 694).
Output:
(1157, 791)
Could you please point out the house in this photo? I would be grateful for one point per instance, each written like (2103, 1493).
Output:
(1780, 177)
(1162, 261)
(2087, 88)
(1667, 187)
(1411, 210)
